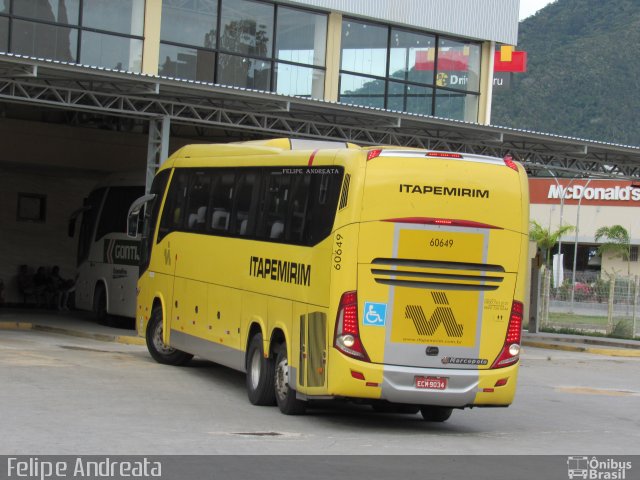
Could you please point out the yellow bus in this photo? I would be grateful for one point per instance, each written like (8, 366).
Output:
(387, 275)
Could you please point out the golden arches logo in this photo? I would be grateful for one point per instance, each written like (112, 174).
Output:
(442, 79)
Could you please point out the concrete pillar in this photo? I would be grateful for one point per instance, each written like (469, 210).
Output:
(486, 83)
(151, 49)
(334, 40)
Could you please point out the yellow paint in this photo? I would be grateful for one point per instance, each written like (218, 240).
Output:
(15, 326)
(598, 391)
(506, 53)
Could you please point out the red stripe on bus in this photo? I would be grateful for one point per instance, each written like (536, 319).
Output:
(313, 155)
(442, 221)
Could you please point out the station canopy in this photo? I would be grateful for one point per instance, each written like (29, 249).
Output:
(201, 107)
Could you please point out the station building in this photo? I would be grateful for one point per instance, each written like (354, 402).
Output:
(93, 87)
(75, 76)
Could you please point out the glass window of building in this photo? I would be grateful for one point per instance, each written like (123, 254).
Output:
(120, 53)
(106, 33)
(121, 16)
(300, 39)
(60, 11)
(191, 22)
(364, 48)
(459, 65)
(244, 43)
(246, 28)
(4, 34)
(43, 40)
(188, 39)
(408, 71)
(365, 91)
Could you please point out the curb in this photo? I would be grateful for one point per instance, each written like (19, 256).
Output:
(15, 326)
(135, 340)
(612, 352)
(124, 339)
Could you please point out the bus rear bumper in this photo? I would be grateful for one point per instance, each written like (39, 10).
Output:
(464, 388)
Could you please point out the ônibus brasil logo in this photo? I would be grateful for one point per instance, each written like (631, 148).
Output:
(593, 468)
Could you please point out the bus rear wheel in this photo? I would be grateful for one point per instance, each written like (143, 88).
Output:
(285, 395)
(161, 352)
(259, 374)
(435, 414)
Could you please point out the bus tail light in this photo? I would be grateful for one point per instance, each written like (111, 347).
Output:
(508, 161)
(511, 349)
(373, 154)
(347, 333)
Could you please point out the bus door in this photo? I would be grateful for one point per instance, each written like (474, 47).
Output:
(86, 280)
(440, 248)
(165, 251)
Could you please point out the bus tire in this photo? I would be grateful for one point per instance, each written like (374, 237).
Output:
(100, 305)
(285, 395)
(435, 414)
(161, 352)
(260, 373)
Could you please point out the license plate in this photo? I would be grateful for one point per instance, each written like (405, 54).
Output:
(431, 383)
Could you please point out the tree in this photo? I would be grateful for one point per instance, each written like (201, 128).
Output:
(616, 244)
(546, 239)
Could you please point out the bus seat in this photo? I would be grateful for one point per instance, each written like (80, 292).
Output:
(220, 219)
(192, 220)
(277, 229)
(243, 227)
(201, 215)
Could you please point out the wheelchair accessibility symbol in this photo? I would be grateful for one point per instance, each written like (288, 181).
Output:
(375, 314)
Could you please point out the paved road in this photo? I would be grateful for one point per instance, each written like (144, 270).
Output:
(65, 395)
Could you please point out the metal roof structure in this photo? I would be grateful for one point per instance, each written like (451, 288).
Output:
(160, 100)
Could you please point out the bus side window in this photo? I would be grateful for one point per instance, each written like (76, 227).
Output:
(198, 200)
(222, 200)
(298, 208)
(245, 208)
(275, 202)
(323, 201)
(175, 205)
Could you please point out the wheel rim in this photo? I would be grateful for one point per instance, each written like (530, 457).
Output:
(254, 369)
(159, 344)
(282, 378)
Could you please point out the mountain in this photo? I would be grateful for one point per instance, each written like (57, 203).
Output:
(583, 77)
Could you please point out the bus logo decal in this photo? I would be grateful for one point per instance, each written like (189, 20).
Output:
(375, 314)
(122, 252)
(280, 270)
(441, 315)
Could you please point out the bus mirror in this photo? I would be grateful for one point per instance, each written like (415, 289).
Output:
(134, 214)
(132, 224)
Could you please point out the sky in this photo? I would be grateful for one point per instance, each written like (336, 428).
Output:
(529, 7)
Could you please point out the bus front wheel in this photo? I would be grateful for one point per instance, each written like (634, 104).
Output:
(259, 374)
(285, 395)
(435, 414)
(161, 352)
(100, 305)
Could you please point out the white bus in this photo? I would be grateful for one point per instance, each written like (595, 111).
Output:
(107, 260)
